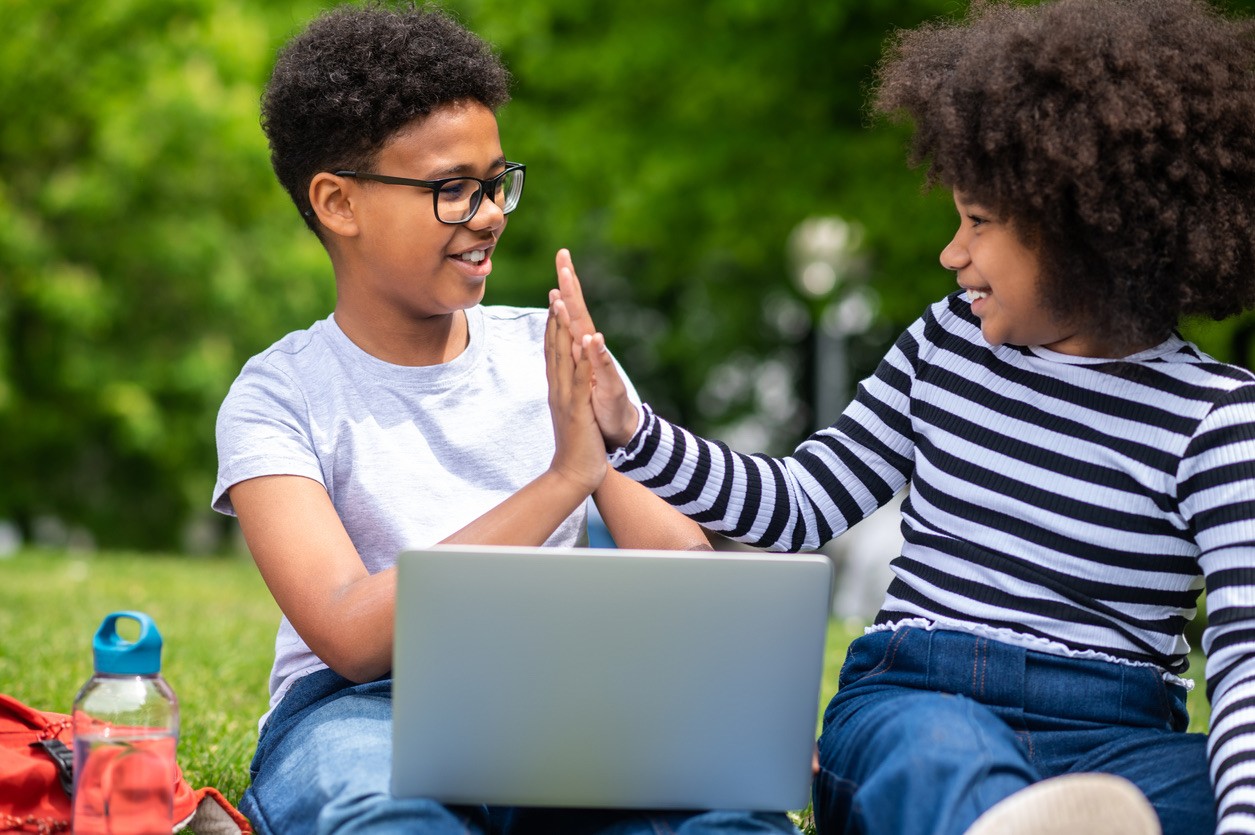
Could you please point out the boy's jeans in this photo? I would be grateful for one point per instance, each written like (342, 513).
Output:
(931, 728)
(323, 764)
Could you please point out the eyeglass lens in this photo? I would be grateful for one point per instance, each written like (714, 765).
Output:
(458, 200)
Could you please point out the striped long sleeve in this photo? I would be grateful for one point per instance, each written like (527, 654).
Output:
(1079, 506)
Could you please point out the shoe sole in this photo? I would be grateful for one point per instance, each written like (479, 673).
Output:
(1093, 804)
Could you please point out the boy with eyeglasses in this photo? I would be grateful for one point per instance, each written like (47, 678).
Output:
(411, 415)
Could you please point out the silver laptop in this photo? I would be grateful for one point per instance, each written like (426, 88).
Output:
(607, 678)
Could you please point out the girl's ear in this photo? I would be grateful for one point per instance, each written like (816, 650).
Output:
(330, 198)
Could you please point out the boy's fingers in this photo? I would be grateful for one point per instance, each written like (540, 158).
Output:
(573, 294)
(562, 312)
(583, 372)
(567, 280)
(551, 342)
(557, 337)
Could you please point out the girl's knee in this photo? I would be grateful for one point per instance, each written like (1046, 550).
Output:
(938, 751)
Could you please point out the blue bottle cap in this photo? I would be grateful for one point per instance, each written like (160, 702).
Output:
(118, 656)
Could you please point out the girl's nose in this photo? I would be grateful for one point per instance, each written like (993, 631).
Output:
(954, 255)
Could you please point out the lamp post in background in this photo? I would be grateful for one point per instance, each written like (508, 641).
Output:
(827, 268)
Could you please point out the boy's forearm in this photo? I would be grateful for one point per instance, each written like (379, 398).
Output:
(529, 517)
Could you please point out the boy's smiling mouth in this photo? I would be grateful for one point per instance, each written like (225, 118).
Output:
(475, 263)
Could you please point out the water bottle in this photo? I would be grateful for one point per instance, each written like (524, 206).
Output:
(126, 728)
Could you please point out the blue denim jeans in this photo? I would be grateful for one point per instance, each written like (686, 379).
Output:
(930, 728)
(323, 764)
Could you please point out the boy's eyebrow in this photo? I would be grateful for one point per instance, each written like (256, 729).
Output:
(466, 168)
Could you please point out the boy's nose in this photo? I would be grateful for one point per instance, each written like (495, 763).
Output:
(487, 216)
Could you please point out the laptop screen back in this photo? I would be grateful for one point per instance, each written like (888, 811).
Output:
(607, 678)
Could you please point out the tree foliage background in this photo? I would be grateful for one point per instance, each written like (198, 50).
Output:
(146, 250)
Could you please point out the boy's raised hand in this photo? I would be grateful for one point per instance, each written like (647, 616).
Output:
(579, 454)
(616, 414)
(572, 295)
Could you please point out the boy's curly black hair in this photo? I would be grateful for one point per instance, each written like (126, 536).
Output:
(356, 75)
(1116, 136)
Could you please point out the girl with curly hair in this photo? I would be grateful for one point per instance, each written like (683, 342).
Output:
(1079, 473)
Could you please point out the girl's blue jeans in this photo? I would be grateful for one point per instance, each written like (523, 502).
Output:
(929, 728)
(323, 764)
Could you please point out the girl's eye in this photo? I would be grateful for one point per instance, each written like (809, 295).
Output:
(977, 220)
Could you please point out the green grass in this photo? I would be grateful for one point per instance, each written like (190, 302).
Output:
(218, 623)
(215, 616)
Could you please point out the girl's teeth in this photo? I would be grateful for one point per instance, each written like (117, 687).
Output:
(973, 295)
(474, 256)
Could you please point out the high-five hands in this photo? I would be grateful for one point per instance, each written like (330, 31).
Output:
(580, 454)
(615, 413)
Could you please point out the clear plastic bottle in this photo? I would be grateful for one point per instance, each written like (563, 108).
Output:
(126, 728)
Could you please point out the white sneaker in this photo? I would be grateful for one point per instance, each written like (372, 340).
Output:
(1073, 804)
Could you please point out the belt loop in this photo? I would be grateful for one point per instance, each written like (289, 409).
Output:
(1003, 673)
(1124, 692)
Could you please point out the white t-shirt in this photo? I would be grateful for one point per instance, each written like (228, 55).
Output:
(408, 455)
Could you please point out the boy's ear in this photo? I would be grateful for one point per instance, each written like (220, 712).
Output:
(329, 196)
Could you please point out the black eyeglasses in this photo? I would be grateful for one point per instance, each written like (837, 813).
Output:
(457, 199)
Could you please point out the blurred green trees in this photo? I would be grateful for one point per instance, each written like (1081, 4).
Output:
(146, 250)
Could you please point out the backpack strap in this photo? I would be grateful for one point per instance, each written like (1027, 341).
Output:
(63, 756)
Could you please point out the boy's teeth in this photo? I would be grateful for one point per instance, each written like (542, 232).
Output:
(973, 295)
(474, 256)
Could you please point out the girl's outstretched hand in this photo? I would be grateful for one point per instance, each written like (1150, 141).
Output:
(616, 413)
(579, 452)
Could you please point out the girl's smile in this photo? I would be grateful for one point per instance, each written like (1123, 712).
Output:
(1002, 278)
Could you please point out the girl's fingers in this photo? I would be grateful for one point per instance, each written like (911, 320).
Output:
(596, 345)
(616, 414)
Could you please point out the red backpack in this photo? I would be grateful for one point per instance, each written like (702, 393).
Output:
(36, 763)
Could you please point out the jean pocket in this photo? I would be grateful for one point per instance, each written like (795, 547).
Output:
(1175, 698)
(870, 655)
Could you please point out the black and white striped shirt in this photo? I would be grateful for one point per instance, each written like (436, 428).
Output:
(1071, 505)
